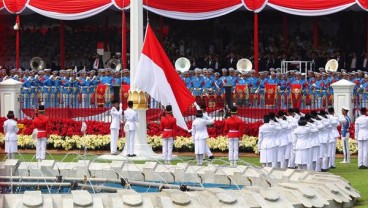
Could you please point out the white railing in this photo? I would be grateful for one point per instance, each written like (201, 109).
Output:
(303, 66)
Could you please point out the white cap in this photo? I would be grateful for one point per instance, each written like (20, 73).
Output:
(345, 108)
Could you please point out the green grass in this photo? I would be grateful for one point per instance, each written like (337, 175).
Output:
(357, 178)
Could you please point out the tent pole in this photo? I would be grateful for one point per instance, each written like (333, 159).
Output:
(123, 39)
(17, 42)
(256, 42)
(62, 46)
(315, 33)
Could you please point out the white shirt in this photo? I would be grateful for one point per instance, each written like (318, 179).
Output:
(199, 127)
(131, 117)
(361, 128)
(116, 116)
(11, 130)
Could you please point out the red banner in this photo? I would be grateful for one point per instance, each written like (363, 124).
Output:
(296, 95)
(270, 94)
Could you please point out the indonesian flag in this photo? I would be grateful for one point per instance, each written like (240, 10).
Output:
(157, 76)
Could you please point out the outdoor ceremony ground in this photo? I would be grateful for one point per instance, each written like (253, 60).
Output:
(358, 178)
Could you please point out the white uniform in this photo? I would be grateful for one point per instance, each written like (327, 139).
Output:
(267, 143)
(200, 134)
(11, 130)
(283, 143)
(302, 145)
(131, 117)
(334, 120)
(208, 150)
(361, 135)
(116, 116)
(313, 146)
(293, 123)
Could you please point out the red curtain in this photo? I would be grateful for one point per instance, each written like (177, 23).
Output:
(310, 4)
(14, 6)
(191, 6)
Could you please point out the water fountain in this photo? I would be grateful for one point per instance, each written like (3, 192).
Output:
(93, 183)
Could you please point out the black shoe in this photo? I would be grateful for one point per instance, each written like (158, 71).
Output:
(365, 167)
(133, 155)
(333, 167)
(323, 170)
(362, 167)
(128, 155)
(211, 157)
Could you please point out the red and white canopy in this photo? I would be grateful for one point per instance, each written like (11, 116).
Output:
(179, 9)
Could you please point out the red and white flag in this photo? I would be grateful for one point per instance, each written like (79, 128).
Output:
(157, 76)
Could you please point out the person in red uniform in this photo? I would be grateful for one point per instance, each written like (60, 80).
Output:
(41, 123)
(168, 128)
(233, 129)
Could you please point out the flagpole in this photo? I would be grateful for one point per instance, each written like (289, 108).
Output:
(141, 147)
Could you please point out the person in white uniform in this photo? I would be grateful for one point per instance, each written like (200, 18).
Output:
(199, 135)
(345, 126)
(116, 116)
(334, 120)
(301, 138)
(361, 135)
(11, 130)
(266, 142)
(131, 118)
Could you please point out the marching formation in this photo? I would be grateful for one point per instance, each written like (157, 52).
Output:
(306, 141)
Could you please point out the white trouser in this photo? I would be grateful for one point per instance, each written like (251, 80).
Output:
(167, 148)
(41, 148)
(114, 140)
(345, 148)
(333, 154)
(208, 151)
(130, 142)
(233, 149)
(363, 153)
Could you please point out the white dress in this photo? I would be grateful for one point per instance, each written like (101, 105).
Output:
(11, 130)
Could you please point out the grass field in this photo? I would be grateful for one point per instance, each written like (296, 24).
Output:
(358, 178)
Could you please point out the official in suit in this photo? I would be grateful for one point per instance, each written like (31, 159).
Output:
(168, 128)
(11, 130)
(41, 123)
(233, 130)
(131, 118)
(116, 117)
(199, 135)
(361, 134)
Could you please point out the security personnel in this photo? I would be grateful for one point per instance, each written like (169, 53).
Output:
(168, 128)
(233, 129)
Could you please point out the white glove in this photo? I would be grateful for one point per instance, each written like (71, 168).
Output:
(121, 106)
(197, 106)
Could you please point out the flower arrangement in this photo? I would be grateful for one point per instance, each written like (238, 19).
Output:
(66, 134)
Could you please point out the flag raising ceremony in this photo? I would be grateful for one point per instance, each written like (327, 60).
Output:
(157, 76)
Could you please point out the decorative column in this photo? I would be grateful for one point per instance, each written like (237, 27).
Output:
(9, 97)
(343, 96)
